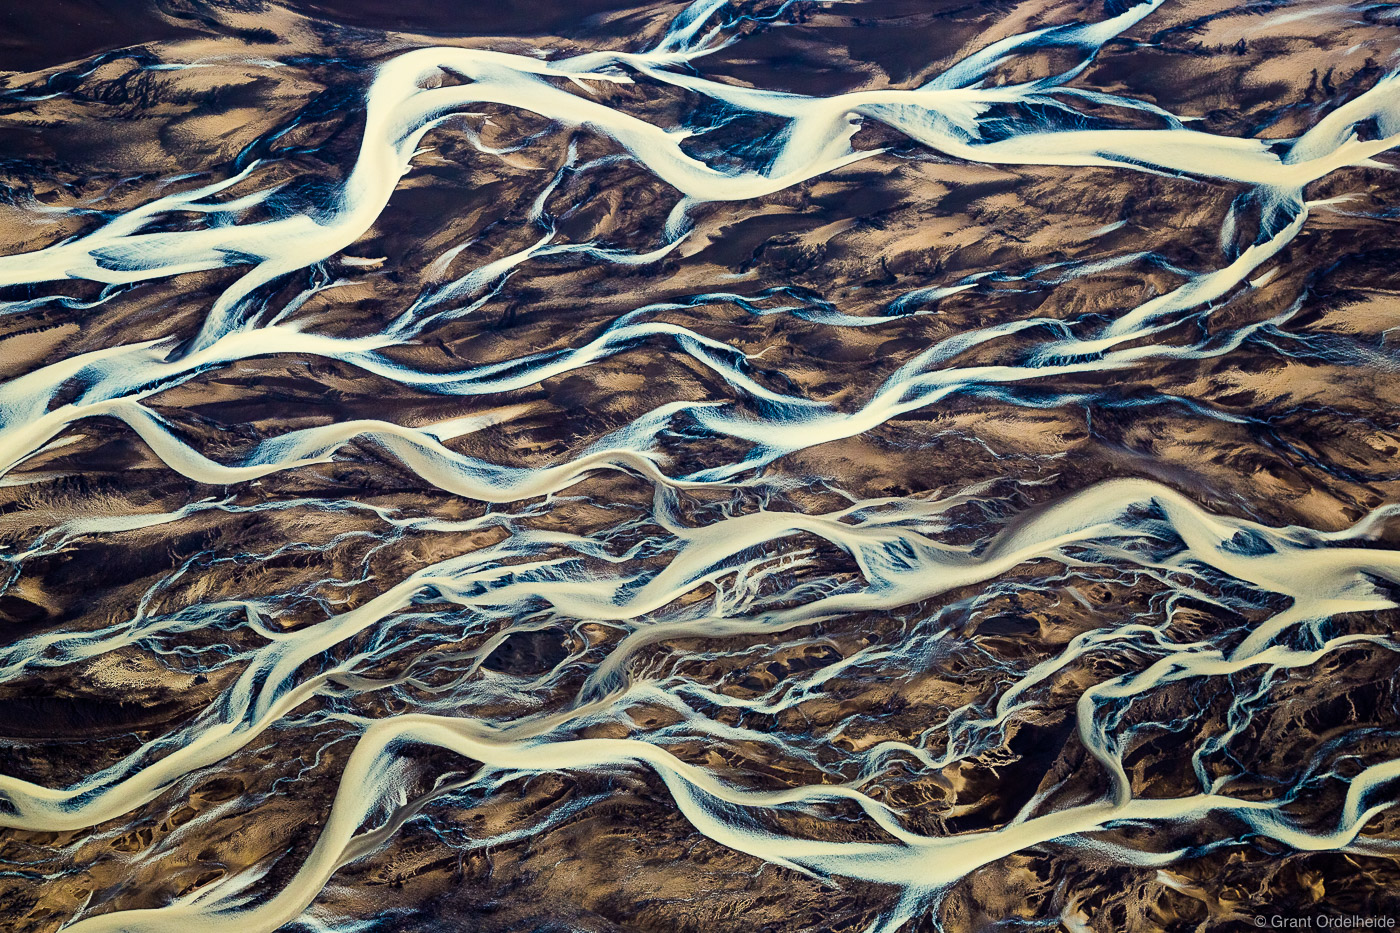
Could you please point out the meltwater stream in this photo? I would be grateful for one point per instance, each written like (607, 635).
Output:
(777, 465)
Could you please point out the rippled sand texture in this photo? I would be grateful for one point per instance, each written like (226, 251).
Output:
(729, 467)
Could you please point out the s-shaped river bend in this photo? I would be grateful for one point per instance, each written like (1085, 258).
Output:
(726, 466)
